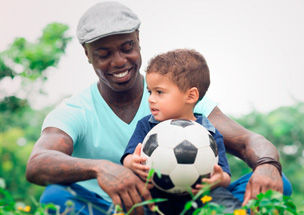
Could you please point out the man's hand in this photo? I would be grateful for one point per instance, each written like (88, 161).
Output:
(51, 162)
(265, 177)
(249, 146)
(123, 186)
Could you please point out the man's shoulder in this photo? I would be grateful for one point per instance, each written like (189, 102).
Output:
(82, 99)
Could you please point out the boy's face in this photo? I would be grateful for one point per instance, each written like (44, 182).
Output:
(166, 100)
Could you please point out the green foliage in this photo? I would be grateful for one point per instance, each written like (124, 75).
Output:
(28, 63)
(30, 60)
(272, 202)
(17, 140)
(12, 109)
(5, 71)
(19, 124)
(269, 203)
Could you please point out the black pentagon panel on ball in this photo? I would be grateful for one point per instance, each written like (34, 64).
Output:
(185, 152)
(151, 144)
(164, 182)
(181, 122)
(199, 180)
(213, 145)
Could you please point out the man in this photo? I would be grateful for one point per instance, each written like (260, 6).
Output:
(83, 139)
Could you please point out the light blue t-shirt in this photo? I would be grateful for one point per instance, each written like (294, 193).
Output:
(97, 132)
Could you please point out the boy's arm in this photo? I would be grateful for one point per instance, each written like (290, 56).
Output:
(141, 130)
(131, 157)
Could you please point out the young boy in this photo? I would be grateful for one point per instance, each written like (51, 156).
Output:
(176, 81)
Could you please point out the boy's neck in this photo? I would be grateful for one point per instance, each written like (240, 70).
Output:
(189, 116)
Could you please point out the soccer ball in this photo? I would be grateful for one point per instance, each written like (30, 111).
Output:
(182, 151)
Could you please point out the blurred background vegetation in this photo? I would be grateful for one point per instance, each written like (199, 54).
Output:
(20, 124)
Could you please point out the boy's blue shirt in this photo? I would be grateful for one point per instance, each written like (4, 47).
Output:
(148, 122)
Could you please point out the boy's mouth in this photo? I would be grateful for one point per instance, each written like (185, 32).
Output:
(154, 111)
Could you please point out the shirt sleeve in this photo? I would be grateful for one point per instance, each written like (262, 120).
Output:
(140, 132)
(223, 161)
(68, 118)
(204, 106)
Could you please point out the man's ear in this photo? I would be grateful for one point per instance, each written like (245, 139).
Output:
(86, 52)
(192, 95)
(137, 35)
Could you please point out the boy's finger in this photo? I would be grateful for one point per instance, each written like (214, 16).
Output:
(138, 149)
(206, 180)
(198, 186)
(217, 168)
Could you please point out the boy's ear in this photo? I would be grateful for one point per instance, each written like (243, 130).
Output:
(192, 95)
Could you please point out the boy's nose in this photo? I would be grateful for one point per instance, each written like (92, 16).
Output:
(151, 99)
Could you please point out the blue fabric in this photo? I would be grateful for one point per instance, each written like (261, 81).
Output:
(148, 122)
(238, 187)
(60, 194)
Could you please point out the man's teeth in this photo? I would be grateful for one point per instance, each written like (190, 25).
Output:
(121, 75)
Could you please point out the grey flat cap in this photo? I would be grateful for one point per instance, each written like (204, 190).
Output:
(106, 19)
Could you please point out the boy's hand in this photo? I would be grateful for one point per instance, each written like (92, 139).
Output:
(216, 178)
(136, 163)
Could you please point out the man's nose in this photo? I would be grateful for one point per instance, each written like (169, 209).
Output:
(118, 60)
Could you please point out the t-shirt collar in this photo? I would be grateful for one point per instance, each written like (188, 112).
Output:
(201, 119)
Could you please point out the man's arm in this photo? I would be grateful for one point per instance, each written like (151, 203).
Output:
(51, 163)
(249, 146)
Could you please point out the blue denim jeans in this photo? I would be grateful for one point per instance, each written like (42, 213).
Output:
(59, 194)
(84, 200)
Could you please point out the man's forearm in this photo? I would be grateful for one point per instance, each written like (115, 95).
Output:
(259, 147)
(241, 142)
(59, 168)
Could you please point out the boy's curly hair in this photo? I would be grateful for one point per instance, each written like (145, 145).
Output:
(187, 68)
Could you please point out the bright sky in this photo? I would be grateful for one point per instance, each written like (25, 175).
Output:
(254, 49)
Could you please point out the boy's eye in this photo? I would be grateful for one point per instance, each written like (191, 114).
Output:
(160, 92)
(127, 46)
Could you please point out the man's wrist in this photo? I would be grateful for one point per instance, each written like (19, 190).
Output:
(268, 160)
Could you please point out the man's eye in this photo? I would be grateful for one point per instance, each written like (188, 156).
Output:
(103, 54)
(128, 46)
